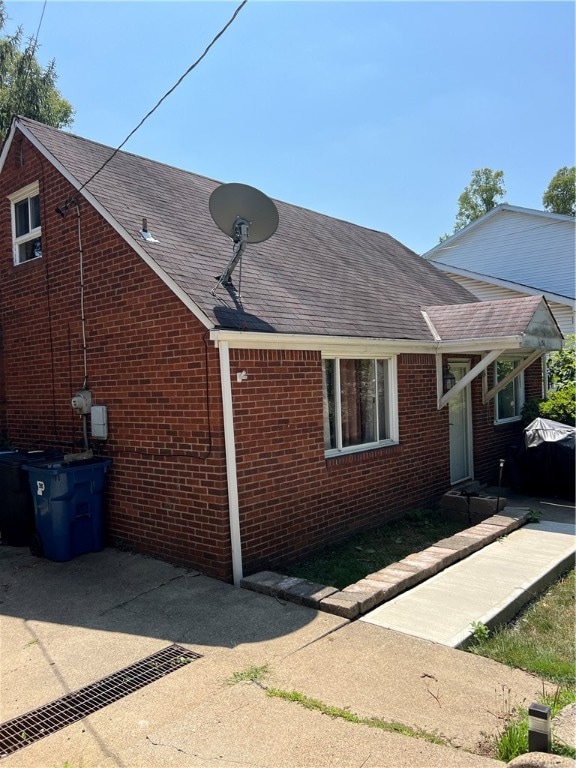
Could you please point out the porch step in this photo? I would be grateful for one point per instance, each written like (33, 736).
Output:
(469, 499)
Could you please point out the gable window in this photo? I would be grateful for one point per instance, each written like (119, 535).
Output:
(26, 229)
(509, 401)
(359, 403)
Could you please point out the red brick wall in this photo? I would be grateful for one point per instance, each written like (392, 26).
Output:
(493, 442)
(148, 361)
(292, 499)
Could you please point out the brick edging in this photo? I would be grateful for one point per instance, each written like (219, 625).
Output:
(381, 586)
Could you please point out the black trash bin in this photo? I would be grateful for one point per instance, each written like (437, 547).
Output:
(16, 503)
(69, 507)
(546, 459)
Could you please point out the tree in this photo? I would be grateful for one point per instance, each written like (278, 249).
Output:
(480, 196)
(560, 197)
(25, 87)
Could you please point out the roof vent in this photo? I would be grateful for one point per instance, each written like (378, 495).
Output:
(145, 234)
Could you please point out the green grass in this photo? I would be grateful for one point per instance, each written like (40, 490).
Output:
(513, 741)
(250, 675)
(541, 638)
(350, 717)
(540, 641)
(372, 550)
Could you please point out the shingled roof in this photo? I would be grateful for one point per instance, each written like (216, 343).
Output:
(507, 317)
(316, 275)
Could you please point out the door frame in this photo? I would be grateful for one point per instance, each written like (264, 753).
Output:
(460, 368)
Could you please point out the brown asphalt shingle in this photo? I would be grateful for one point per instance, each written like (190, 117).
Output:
(316, 275)
(485, 319)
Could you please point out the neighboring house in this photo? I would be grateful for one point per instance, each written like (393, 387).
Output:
(244, 432)
(511, 252)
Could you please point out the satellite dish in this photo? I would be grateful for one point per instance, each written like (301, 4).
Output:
(231, 203)
(246, 215)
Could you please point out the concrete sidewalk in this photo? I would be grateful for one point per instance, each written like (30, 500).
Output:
(489, 587)
(66, 625)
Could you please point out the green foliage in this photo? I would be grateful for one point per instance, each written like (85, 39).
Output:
(560, 196)
(561, 405)
(480, 196)
(391, 726)
(250, 675)
(25, 87)
(513, 741)
(531, 410)
(562, 364)
(480, 631)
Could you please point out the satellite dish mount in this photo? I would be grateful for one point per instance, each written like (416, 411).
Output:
(247, 216)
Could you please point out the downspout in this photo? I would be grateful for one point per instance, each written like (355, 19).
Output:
(230, 449)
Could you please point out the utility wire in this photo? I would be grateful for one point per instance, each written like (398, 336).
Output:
(31, 50)
(176, 84)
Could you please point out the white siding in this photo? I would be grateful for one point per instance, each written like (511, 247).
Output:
(563, 314)
(526, 248)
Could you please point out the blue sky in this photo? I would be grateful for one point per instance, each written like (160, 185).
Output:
(373, 112)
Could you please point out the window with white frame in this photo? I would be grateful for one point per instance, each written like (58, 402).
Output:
(26, 229)
(509, 401)
(359, 403)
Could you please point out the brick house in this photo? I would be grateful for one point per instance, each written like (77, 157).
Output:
(244, 432)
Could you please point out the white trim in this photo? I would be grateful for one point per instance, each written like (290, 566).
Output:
(25, 193)
(334, 346)
(126, 236)
(392, 402)
(469, 426)
(231, 475)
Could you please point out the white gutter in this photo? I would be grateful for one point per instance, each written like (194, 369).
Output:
(232, 478)
(357, 345)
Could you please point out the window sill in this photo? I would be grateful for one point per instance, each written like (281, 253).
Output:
(512, 420)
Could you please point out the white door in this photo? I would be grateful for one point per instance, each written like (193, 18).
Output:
(459, 411)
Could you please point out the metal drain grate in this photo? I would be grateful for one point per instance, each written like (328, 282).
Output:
(26, 729)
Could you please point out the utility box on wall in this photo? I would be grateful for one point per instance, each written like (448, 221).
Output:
(99, 422)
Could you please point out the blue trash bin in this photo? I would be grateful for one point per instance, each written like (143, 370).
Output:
(69, 506)
(16, 504)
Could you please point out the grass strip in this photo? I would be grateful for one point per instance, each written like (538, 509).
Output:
(351, 717)
(369, 551)
(541, 639)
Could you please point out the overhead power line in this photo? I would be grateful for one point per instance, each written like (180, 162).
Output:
(165, 96)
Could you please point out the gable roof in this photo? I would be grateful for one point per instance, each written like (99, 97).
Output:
(529, 318)
(525, 248)
(316, 275)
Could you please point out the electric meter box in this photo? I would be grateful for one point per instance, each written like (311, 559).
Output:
(99, 422)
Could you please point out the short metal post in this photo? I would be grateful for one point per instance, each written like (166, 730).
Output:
(499, 484)
(539, 728)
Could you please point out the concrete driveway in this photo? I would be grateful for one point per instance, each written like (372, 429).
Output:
(66, 625)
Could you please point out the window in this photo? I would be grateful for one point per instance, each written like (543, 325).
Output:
(509, 401)
(26, 230)
(359, 403)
